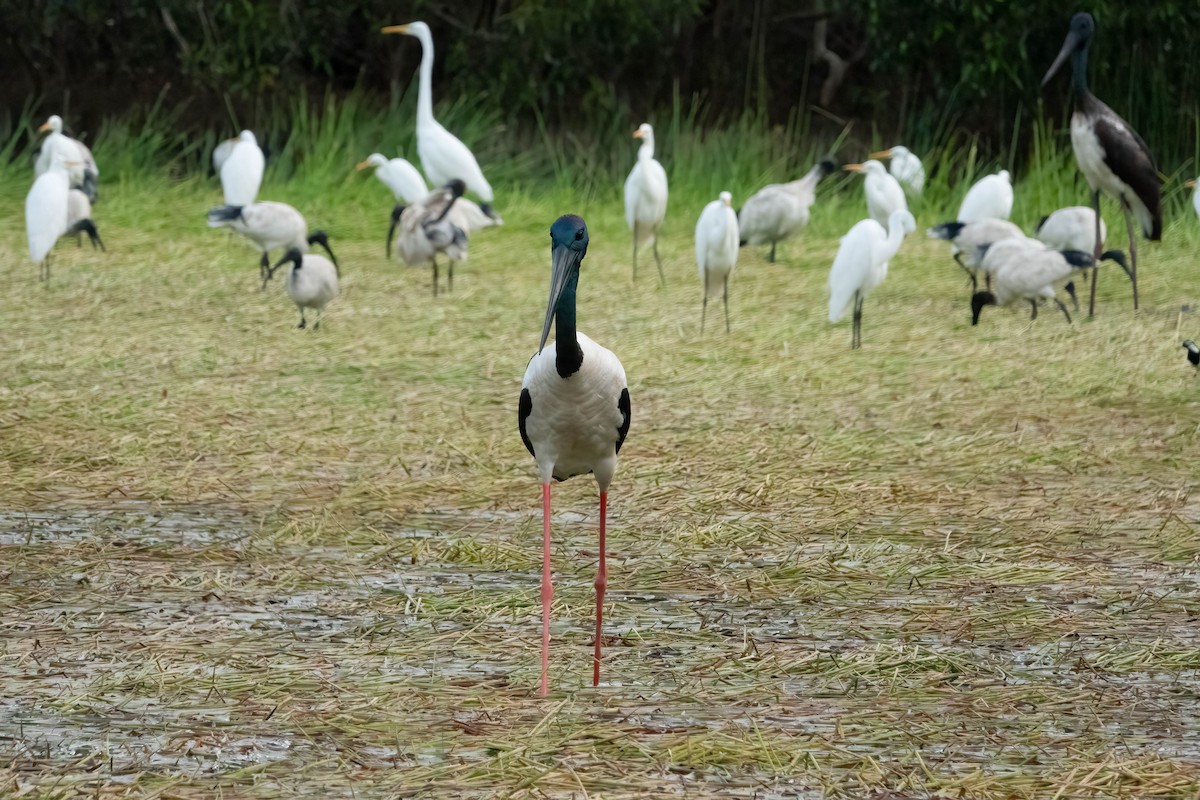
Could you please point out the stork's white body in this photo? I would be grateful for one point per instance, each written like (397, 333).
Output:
(242, 171)
(1089, 155)
(574, 422)
(46, 210)
(269, 225)
(1072, 228)
(779, 210)
(314, 284)
(990, 198)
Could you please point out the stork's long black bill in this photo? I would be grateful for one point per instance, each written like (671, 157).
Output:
(1068, 47)
(563, 261)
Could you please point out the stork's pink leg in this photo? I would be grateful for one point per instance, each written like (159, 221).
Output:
(547, 588)
(601, 585)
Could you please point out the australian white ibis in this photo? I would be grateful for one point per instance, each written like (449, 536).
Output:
(81, 169)
(242, 170)
(646, 198)
(991, 197)
(269, 225)
(884, 195)
(79, 218)
(1111, 155)
(312, 282)
(966, 238)
(573, 414)
(1071, 228)
(1028, 269)
(717, 250)
(427, 229)
(780, 210)
(46, 212)
(443, 155)
(905, 167)
(861, 264)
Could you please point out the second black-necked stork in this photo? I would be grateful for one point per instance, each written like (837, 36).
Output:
(1111, 155)
(574, 411)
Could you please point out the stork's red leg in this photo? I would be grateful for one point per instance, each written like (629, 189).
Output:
(601, 585)
(547, 588)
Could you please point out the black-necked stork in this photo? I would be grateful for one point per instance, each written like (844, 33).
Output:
(1193, 352)
(1027, 269)
(1111, 155)
(574, 411)
(861, 264)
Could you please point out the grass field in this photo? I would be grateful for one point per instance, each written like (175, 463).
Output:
(242, 560)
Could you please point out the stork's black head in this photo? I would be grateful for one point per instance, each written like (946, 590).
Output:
(1079, 36)
(569, 231)
(978, 301)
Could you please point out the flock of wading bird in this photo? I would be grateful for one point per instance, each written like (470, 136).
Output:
(574, 408)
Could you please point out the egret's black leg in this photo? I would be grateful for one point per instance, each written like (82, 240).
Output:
(435, 277)
(1062, 306)
(662, 280)
(635, 252)
(1096, 255)
(704, 309)
(726, 304)
(450, 277)
(856, 334)
(771, 258)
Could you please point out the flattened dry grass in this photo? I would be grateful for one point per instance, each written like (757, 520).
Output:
(249, 561)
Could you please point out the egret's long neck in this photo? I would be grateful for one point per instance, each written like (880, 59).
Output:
(568, 354)
(894, 240)
(646, 151)
(425, 88)
(1079, 86)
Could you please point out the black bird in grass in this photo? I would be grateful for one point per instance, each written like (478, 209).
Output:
(1193, 352)
(1111, 155)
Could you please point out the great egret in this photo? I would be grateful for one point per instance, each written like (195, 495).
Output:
(79, 218)
(573, 414)
(312, 282)
(966, 238)
(242, 170)
(861, 264)
(46, 212)
(717, 250)
(780, 210)
(427, 229)
(646, 198)
(904, 166)
(82, 169)
(1111, 155)
(991, 197)
(269, 225)
(1028, 269)
(884, 195)
(443, 156)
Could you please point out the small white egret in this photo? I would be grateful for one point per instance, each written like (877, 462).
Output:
(717, 250)
(905, 167)
(991, 197)
(269, 225)
(82, 169)
(884, 194)
(1113, 158)
(646, 198)
(573, 413)
(79, 219)
(861, 265)
(242, 170)
(443, 156)
(427, 229)
(312, 282)
(780, 210)
(1028, 269)
(46, 212)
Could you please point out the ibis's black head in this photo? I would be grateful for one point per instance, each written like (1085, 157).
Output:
(1079, 36)
(978, 301)
(293, 255)
(457, 187)
(1078, 259)
(1193, 352)
(568, 245)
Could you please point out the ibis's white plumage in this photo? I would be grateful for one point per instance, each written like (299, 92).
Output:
(81, 167)
(1072, 228)
(862, 259)
(443, 156)
(990, 198)
(967, 237)
(645, 195)
(242, 171)
(717, 249)
(905, 166)
(312, 282)
(780, 210)
(427, 229)
(267, 224)
(1026, 269)
(46, 210)
(884, 193)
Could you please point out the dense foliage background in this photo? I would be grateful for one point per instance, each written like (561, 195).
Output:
(926, 71)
